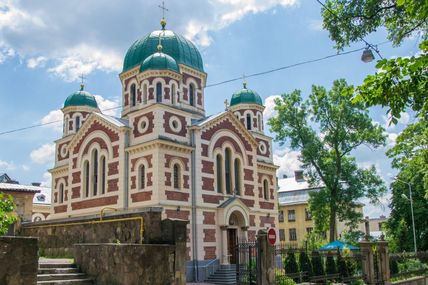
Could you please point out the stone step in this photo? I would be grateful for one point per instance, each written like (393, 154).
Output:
(57, 265)
(57, 270)
(86, 281)
(61, 276)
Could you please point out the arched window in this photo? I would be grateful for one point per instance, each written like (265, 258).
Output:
(248, 122)
(192, 95)
(94, 172)
(219, 170)
(265, 190)
(237, 170)
(133, 96)
(103, 174)
(86, 177)
(142, 176)
(77, 123)
(145, 93)
(227, 170)
(259, 122)
(173, 94)
(177, 176)
(61, 193)
(158, 92)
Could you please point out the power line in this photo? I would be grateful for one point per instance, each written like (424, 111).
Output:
(215, 84)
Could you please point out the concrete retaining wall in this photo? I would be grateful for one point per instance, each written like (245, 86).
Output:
(422, 280)
(18, 260)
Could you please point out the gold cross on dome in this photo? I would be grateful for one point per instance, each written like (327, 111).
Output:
(163, 9)
(226, 105)
(82, 81)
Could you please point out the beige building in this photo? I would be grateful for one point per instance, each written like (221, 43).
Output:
(216, 171)
(294, 218)
(41, 204)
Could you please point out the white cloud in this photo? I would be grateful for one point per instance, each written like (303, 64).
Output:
(316, 25)
(108, 107)
(25, 167)
(46, 34)
(4, 165)
(404, 120)
(287, 160)
(47, 180)
(376, 210)
(269, 111)
(44, 154)
(391, 139)
(53, 120)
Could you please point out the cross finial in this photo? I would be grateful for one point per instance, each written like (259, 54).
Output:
(226, 105)
(244, 81)
(163, 21)
(82, 83)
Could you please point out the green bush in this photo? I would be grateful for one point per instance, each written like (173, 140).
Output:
(290, 263)
(317, 264)
(305, 263)
(283, 280)
(342, 266)
(330, 265)
(393, 265)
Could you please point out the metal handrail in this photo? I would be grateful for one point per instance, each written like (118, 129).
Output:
(208, 267)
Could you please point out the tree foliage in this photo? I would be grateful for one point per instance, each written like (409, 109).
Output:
(305, 263)
(6, 212)
(317, 264)
(290, 263)
(325, 129)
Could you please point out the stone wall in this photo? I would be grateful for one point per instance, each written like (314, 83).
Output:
(18, 261)
(421, 280)
(57, 237)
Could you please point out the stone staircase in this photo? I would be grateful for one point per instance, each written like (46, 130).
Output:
(225, 275)
(61, 272)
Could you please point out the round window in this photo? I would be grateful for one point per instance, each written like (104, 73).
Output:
(143, 124)
(262, 148)
(175, 124)
(64, 150)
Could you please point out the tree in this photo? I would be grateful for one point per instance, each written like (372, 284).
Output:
(305, 263)
(330, 265)
(342, 127)
(290, 263)
(6, 212)
(317, 264)
(400, 82)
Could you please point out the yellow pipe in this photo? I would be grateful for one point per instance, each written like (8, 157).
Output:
(141, 219)
(106, 208)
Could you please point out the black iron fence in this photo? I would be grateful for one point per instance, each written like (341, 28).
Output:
(406, 265)
(300, 265)
(247, 263)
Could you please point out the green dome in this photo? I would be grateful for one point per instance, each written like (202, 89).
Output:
(81, 98)
(246, 96)
(174, 45)
(159, 60)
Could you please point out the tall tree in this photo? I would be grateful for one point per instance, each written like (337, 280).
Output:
(326, 128)
(401, 82)
(6, 212)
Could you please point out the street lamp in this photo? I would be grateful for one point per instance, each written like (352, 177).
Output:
(411, 209)
(367, 55)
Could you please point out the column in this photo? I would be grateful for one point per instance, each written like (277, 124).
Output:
(224, 254)
(366, 249)
(383, 261)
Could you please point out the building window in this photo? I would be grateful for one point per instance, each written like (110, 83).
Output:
(380, 225)
(237, 176)
(227, 170)
(308, 215)
(248, 122)
(145, 93)
(142, 176)
(265, 189)
(192, 95)
(177, 174)
(77, 123)
(103, 175)
(61, 193)
(95, 172)
(281, 216)
(219, 173)
(133, 96)
(291, 215)
(281, 234)
(173, 99)
(309, 230)
(86, 174)
(292, 234)
(158, 92)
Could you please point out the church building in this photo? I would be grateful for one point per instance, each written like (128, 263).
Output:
(216, 171)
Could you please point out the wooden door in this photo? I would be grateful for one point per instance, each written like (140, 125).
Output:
(232, 242)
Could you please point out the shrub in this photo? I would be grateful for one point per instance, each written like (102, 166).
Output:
(290, 264)
(393, 265)
(305, 263)
(283, 280)
(342, 266)
(330, 265)
(317, 264)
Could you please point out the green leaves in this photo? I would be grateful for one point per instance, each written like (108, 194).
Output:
(325, 129)
(6, 216)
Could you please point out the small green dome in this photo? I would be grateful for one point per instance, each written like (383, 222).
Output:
(174, 45)
(159, 60)
(81, 98)
(246, 96)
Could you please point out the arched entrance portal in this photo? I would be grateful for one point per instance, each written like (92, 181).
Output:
(236, 232)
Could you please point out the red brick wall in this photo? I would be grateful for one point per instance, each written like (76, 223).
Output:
(166, 119)
(96, 126)
(209, 218)
(249, 190)
(112, 185)
(97, 202)
(213, 199)
(266, 220)
(59, 156)
(184, 160)
(209, 235)
(209, 252)
(148, 158)
(207, 167)
(60, 209)
(252, 220)
(150, 118)
(177, 196)
(266, 205)
(97, 140)
(141, 196)
(75, 192)
(219, 143)
(207, 184)
(113, 168)
(174, 214)
(75, 177)
(267, 154)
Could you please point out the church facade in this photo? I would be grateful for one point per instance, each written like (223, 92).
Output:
(215, 171)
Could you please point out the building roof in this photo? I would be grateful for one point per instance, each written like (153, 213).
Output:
(179, 48)
(203, 121)
(159, 61)
(115, 121)
(19, 188)
(246, 96)
(81, 98)
(294, 191)
(44, 197)
(4, 178)
(291, 184)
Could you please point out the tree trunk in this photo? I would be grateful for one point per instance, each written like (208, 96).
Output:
(332, 235)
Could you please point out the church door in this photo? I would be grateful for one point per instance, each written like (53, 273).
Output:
(232, 242)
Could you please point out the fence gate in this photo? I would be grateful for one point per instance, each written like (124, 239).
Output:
(247, 263)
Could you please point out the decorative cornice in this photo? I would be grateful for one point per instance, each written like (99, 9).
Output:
(159, 143)
(80, 109)
(192, 71)
(129, 73)
(59, 170)
(158, 73)
(267, 166)
(246, 107)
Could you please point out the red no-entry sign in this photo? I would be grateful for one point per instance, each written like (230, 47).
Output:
(271, 234)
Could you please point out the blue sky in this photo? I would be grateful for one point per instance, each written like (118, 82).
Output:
(46, 45)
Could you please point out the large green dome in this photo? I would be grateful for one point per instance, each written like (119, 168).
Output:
(160, 61)
(246, 96)
(174, 45)
(81, 98)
